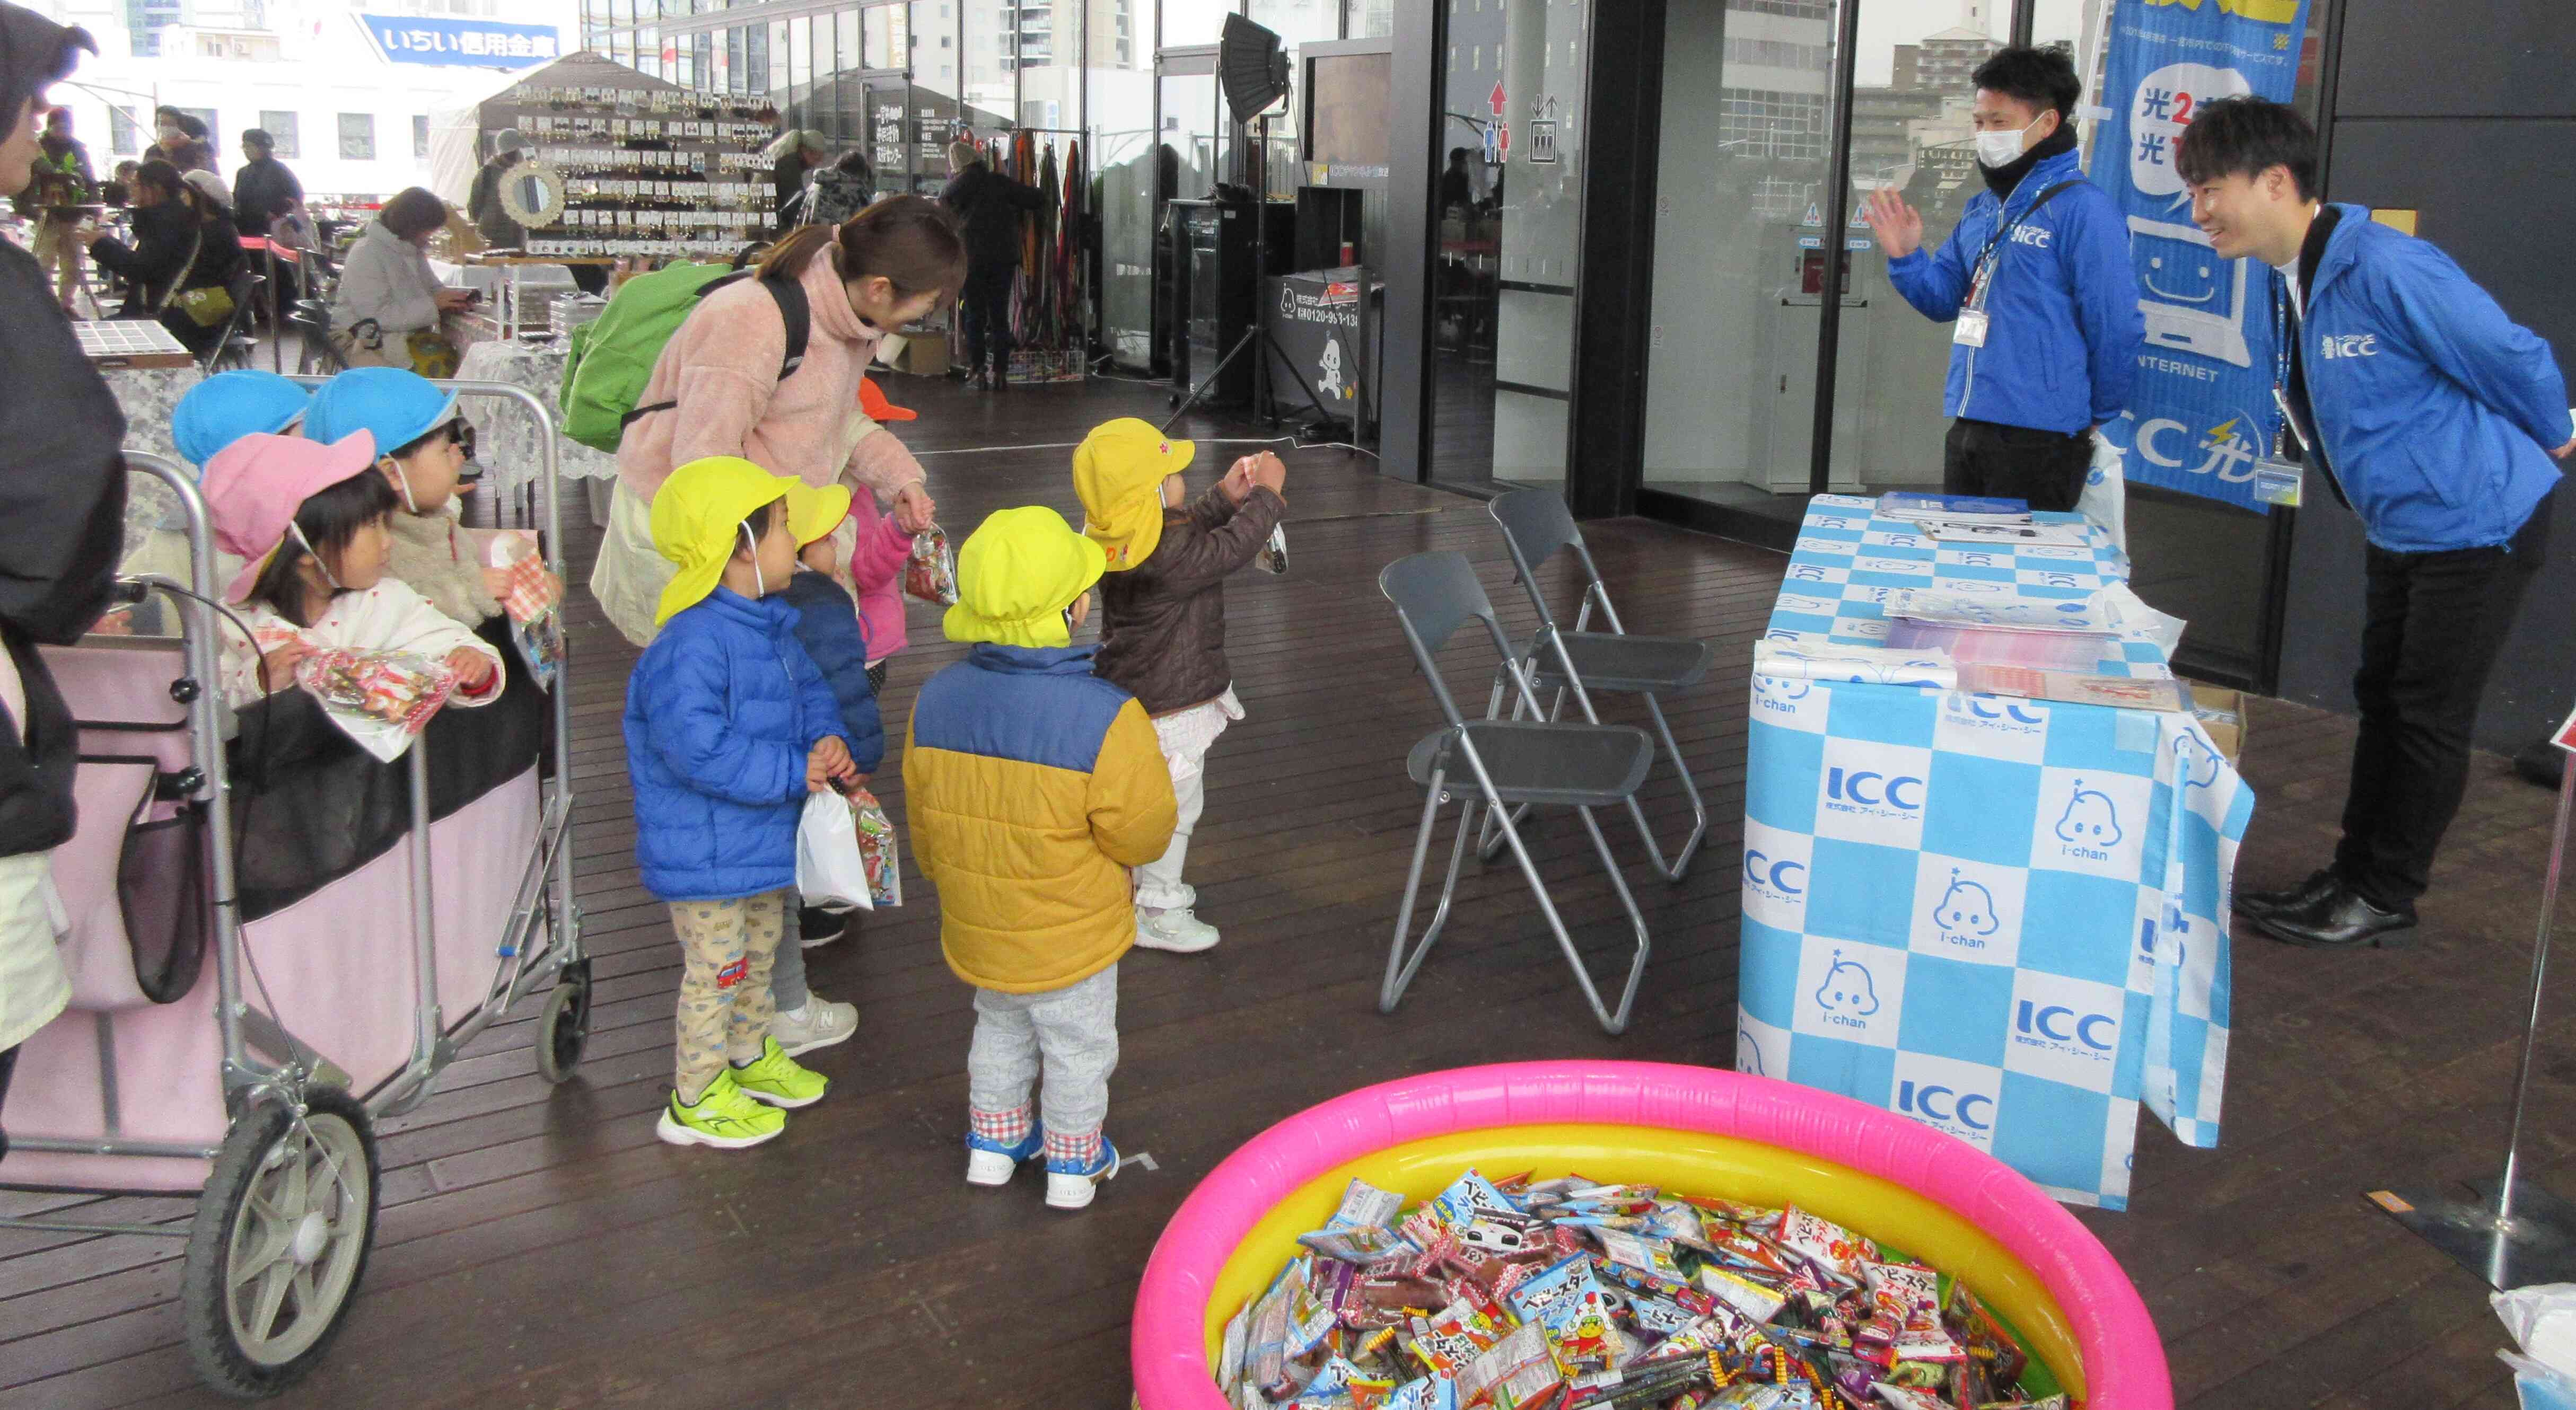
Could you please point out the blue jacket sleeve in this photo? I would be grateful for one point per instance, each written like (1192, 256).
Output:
(687, 730)
(2105, 281)
(1935, 281)
(828, 627)
(814, 703)
(2457, 327)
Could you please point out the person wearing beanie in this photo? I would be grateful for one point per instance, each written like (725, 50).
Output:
(423, 446)
(483, 203)
(62, 511)
(792, 159)
(990, 205)
(1162, 623)
(729, 726)
(1033, 785)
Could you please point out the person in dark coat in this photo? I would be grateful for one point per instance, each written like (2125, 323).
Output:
(262, 185)
(62, 525)
(793, 158)
(990, 205)
(182, 241)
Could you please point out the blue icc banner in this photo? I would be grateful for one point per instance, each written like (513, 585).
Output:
(482, 44)
(2201, 412)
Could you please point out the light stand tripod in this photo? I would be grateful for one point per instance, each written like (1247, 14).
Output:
(2515, 1233)
(1260, 330)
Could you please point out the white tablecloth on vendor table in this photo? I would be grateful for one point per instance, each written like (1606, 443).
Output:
(506, 438)
(488, 277)
(146, 395)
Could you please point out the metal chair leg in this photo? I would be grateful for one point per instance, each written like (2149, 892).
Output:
(1680, 865)
(1611, 1023)
(1399, 968)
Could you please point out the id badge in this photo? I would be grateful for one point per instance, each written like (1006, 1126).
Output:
(2276, 482)
(1971, 332)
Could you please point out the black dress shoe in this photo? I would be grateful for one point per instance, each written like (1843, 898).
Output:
(2342, 919)
(2307, 893)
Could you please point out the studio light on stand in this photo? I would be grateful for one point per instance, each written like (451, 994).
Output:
(2514, 1233)
(1252, 69)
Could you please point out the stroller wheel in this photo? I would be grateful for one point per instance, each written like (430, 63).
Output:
(563, 1030)
(281, 1236)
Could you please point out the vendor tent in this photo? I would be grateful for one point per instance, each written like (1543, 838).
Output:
(456, 134)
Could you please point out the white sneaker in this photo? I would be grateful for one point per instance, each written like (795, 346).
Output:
(1175, 930)
(819, 1024)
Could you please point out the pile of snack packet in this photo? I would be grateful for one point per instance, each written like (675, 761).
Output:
(1570, 1295)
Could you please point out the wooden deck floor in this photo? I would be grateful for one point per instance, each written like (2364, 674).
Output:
(539, 1248)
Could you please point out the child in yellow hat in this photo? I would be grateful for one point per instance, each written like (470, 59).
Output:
(729, 725)
(1033, 786)
(1162, 631)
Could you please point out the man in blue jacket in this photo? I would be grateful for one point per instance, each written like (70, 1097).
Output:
(2433, 417)
(2038, 280)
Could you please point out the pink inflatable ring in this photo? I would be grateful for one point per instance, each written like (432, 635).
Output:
(1693, 1129)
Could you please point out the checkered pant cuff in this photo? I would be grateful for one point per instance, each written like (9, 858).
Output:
(1005, 1128)
(1082, 1149)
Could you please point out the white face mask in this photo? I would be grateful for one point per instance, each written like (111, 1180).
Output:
(753, 546)
(2001, 149)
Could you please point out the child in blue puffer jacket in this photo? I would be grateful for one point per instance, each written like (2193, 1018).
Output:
(830, 629)
(729, 725)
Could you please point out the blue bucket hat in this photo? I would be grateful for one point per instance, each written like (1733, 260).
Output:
(230, 405)
(394, 404)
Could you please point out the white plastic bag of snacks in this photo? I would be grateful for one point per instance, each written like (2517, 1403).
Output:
(381, 699)
(830, 872)
(931, 572)
(532, 599)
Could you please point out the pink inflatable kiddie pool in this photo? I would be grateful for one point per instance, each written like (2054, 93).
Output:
(1690, 1129)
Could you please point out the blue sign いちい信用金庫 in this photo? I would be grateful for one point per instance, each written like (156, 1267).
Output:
(2201, 414)
(486, 44)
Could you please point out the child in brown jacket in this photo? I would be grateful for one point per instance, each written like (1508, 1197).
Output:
(1163, 621)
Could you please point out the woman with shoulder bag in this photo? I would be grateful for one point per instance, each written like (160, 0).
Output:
(183, 260)
(390, 301)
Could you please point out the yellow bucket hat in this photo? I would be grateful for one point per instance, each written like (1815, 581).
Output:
(697, 520)
(1016, 574)
(1118, 470)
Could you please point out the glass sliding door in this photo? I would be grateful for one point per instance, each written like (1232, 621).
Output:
(1508, 199)
(1740, 253)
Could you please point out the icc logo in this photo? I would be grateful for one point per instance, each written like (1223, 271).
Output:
(2090, 820)
(1983, 708)
(1848, 994)
(1944, 1105)
(1789, 878)
(1875, 790)
(1966, 912)
(2059, 1024)
(2349, 345)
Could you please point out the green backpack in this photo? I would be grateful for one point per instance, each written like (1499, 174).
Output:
(611, 358)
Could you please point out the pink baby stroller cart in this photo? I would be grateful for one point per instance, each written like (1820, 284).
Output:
(352, 911)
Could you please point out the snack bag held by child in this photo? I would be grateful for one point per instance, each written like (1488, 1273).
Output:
(729, 728)
(1162, 630)
(532, 598)
(931, 572)
(309, 522)
(1033, 785)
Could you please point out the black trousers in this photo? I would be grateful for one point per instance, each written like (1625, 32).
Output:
(2015, 462)
(8, 1065)
(985, 311)
(589, 278)
(2432, 626)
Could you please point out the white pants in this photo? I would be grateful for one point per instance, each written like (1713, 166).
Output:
(1186, 736)
(1071, 1032)
(33, 985)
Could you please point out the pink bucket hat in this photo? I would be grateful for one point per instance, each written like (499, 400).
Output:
(255, 485)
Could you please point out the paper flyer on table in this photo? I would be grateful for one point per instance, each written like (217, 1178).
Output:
(2095, 613)
(1833, 661)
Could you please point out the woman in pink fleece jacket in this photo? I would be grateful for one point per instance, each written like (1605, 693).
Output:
(885, 267)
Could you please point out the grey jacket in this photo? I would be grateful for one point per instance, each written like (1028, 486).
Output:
(388, 279)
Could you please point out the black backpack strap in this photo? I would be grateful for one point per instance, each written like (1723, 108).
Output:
(794, 309)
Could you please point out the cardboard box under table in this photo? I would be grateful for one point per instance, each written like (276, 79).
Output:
(2000, 917)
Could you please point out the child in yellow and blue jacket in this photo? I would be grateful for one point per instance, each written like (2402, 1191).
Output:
(1033, 786)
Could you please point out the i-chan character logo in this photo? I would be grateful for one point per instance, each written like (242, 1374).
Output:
(1965, 914)
(1848, 996)
(2090, 827)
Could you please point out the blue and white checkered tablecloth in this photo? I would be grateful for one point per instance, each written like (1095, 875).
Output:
(2001, 917)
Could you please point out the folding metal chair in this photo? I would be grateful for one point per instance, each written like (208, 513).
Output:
(1535, 525)
(1501, 764)
(233, 348)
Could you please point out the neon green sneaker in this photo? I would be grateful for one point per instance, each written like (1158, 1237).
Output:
(724, 1117)
(780, 1080)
